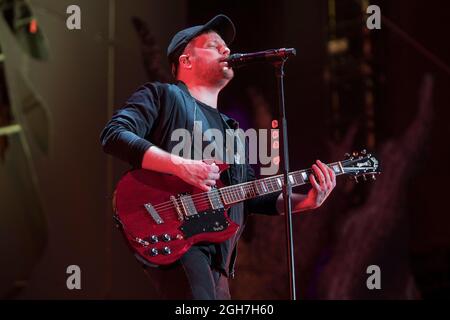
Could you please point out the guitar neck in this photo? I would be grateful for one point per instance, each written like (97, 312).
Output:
(248, 190)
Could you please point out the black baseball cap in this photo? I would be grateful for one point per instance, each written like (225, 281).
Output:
(220, 24)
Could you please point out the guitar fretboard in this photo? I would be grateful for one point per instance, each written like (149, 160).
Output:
(248, 190)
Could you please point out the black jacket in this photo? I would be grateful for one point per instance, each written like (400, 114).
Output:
(148, 118)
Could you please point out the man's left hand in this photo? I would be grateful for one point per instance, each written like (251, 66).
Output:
(321, 189)
(322, 186)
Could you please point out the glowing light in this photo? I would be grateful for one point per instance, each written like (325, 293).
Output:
(33, 27)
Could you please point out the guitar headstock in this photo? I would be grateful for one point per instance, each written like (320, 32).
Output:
(361, 164)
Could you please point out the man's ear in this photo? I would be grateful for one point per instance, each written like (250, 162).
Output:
(184, 61)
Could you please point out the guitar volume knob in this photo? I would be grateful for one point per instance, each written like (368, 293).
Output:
(153, 252)
(152, 239)
(166, 237)
(166, 250)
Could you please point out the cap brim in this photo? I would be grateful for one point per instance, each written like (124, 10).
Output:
(223, 26)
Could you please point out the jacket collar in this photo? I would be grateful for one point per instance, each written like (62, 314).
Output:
(233, 124)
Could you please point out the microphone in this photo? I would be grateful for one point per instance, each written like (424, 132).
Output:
(237, 60)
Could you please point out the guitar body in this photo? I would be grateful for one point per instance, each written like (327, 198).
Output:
(159, 225)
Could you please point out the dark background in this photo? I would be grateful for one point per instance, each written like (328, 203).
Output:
(56, 183)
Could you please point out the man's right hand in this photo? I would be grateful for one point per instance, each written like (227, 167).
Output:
(198, 173)
(195, 172)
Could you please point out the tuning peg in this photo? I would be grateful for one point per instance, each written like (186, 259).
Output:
(355, 154)
(364, 152)
(347, 155)
(364, 177)
(374, 177)
(356, 179)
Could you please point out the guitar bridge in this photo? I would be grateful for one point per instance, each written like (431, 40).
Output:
(153, 213)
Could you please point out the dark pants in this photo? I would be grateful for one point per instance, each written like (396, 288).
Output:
(190, 278)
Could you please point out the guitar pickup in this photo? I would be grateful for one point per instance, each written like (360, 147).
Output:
(153, 213)
(214, 199)
(188, 205)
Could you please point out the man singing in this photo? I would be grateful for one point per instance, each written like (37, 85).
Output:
(140, 133)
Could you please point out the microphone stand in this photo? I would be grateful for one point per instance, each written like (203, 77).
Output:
(287, 189)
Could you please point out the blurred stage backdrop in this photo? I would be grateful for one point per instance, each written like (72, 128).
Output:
(348, 88)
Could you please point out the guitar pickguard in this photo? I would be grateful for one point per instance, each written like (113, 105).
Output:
(206, 221)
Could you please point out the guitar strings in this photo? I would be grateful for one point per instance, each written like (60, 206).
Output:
(226, 191)
(235, 194)
(200, 202)
(202, 198)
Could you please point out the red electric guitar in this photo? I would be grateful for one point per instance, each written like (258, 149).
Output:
(161, 216)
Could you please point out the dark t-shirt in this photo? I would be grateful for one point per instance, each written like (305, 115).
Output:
(211, 118)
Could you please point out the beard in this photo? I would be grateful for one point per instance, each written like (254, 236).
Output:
(216, 74)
